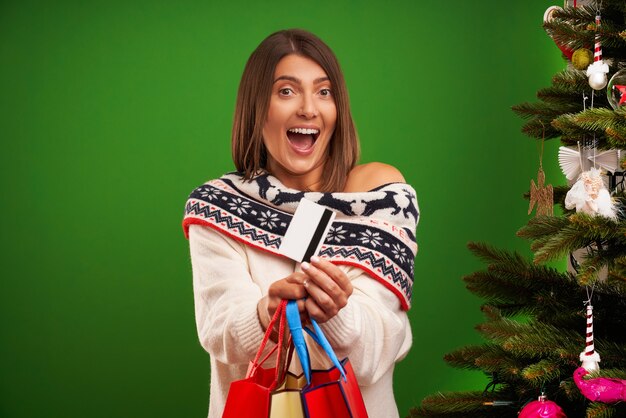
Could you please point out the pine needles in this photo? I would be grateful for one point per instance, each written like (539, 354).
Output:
(534, 323)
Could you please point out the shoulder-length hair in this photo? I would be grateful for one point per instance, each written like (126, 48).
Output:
(253, 99)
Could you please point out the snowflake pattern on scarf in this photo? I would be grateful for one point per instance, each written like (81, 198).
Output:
(373, 230)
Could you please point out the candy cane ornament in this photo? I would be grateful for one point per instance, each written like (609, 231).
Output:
(590, 357)
(597, 71)
(597, 389)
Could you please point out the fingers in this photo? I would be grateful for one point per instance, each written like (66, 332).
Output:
(315, 311)
(338, 277)
(328, 287)
(324, 285)
(289, 288)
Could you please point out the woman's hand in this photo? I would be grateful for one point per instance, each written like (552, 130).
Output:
(290, 288)
(328, 288)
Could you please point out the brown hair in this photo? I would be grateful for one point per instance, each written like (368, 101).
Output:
(253, 99)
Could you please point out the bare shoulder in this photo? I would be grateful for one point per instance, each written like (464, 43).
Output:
(369, 176)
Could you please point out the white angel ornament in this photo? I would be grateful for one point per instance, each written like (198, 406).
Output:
(589, 195)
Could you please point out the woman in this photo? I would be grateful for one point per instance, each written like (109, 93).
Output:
(294, 138)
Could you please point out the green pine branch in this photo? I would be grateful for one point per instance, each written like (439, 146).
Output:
(606, 125)
(597, 260)
(460, 404)
(496, 289)
(502, 329)
(616, 136)
(564, 33)
(540, 128)
(612, 354)
(596, 120)
(465, 357)
(543, 226)
(609, 373)
(490, 358)
(513, 286)
(573, 81)
(542, 372)
(618, 273)
(540, 116)
(559, 97)
(532, 110)
(570, 390)
(576, 16)
(555, 237)
(538, 339)
(575, 27)
(602, 410)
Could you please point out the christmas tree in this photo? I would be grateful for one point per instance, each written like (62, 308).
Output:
(535, 314)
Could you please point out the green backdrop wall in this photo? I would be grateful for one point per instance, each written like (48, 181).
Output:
(111, 112)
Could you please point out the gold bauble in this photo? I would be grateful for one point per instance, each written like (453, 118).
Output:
(582, 58)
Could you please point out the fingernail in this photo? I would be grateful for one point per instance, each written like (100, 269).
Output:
(315, 259)
(305, 266)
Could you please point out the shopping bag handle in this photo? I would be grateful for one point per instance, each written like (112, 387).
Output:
(296, 328)
(279, 315)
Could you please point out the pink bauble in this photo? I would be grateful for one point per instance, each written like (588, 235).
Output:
(542, 408)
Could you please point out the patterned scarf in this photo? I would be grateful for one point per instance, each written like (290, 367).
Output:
(373, 230)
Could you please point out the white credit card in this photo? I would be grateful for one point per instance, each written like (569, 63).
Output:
(307, 231)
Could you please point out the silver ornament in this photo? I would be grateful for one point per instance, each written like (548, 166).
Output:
(597, 80)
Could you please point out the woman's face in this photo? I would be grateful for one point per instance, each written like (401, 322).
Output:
(300, 122)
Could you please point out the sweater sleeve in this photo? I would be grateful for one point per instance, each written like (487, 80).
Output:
(372, 329)
(225, 297)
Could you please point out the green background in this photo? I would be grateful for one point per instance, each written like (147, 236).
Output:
(112, 112)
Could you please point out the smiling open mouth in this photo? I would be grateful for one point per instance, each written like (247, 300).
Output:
(302, 139)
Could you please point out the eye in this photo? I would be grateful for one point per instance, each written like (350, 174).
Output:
(325, 92)
(285, 91)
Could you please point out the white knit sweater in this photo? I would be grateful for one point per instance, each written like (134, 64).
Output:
(229, 278)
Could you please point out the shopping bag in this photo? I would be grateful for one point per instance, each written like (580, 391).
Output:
(285, 400)
(332, 393)
(267, 392)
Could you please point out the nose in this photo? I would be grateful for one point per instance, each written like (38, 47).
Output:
(308, 109)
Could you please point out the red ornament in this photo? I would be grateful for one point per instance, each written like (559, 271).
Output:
(542, 408)
(547, 17)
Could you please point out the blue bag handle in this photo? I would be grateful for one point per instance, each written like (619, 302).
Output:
(296, 328)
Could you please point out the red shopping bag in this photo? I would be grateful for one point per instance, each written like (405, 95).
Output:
(252, 396)
(329, 395)
(332, 393)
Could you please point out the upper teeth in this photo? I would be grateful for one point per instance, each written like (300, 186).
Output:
(306, 131)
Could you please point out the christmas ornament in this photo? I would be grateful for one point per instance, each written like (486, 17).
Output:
(542, 408)
(616, 89)
(600, 389)
(574, 162)
(582, 58)
(548, 16)
(540, 194)
(590, 358)
(598, 70)
(579, 3)
(588, 195)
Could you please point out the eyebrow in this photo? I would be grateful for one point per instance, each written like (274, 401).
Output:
(298, 81)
